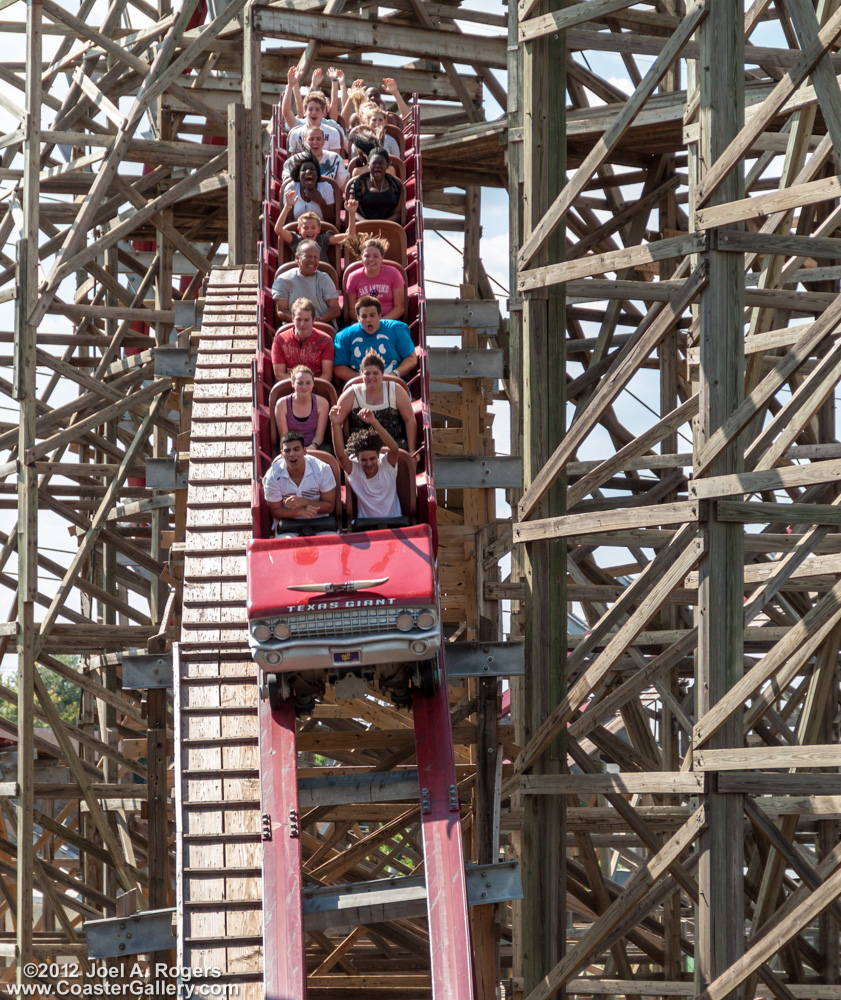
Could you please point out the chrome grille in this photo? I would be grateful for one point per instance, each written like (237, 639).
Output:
(350, 621)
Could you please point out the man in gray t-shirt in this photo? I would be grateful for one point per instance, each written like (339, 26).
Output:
(307, 282)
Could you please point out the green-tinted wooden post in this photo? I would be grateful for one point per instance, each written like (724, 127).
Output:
(27, 542)
(543, 404)
(720, 913)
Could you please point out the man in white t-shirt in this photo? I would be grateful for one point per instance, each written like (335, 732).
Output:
(298, 485)
(332, 165)
(315, 108)
(372, 475)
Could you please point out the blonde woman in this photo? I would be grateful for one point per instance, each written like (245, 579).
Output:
(376, 278)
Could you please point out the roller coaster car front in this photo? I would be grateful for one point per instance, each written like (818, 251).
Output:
(364, 603)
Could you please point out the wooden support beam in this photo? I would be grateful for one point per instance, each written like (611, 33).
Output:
(635, 889)
(241, 237)
(650, 589)
(681, 512)
(793, 650)
(727, 158)
(402, 40)
(648, 335)
(754, 404)
(473, 114)
(543, 563)
(695, 14)
(558, 20)
(594, 478)
(614, 260)
(801, 907)
(766, 757)
(26, 334)
(154, 84)
(98, 520)
(623, 783)
(761, 205)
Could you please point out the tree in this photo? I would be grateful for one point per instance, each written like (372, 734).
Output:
(65, 694)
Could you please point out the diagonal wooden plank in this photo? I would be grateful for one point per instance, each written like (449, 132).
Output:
(680, 512)
(311, 50)
(826, 324)
(124, 225)
(759, 119)
(788, 565)
(791, 919)
(633, 893)
(146, 93)
(804, 18)
(593, 871)
(449, 67)
(791, 852)
(559, 20)
(759, 205)
(160, 222)
(98, 99)
(647, 336)
(768, 479)
(599, 153)
(650, 589)
(786, 426)
(612, 260)
(107, 413)
(57, 725)
(163, 72)
(98, 520)
(797, 646)
(641, 444)
(640, 679)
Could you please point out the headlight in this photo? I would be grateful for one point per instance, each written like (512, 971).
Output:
(261, 631)
(274, 658)
(419, 647)
(282, 631)
(405, 621)
(426, 619)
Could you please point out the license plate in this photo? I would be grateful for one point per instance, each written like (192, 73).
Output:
(348, 658)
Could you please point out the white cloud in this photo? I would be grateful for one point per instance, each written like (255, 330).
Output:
(622, 83)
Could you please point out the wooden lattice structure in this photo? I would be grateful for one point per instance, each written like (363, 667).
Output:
(687, 510)
(669, 780)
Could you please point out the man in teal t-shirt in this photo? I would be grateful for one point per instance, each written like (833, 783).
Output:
(388, 337)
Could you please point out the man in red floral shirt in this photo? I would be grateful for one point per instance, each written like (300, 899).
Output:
(300, 344)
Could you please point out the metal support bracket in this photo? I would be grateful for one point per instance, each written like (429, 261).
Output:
(402, 897)
(453, 362)
(163, 474)
(485, 659)
(451, 316)
(187, 313)
(135, 935)
(142, 671)
(475, 472)
(176, 362)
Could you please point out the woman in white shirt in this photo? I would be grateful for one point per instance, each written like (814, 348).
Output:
(314, 194)
(372, 475)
